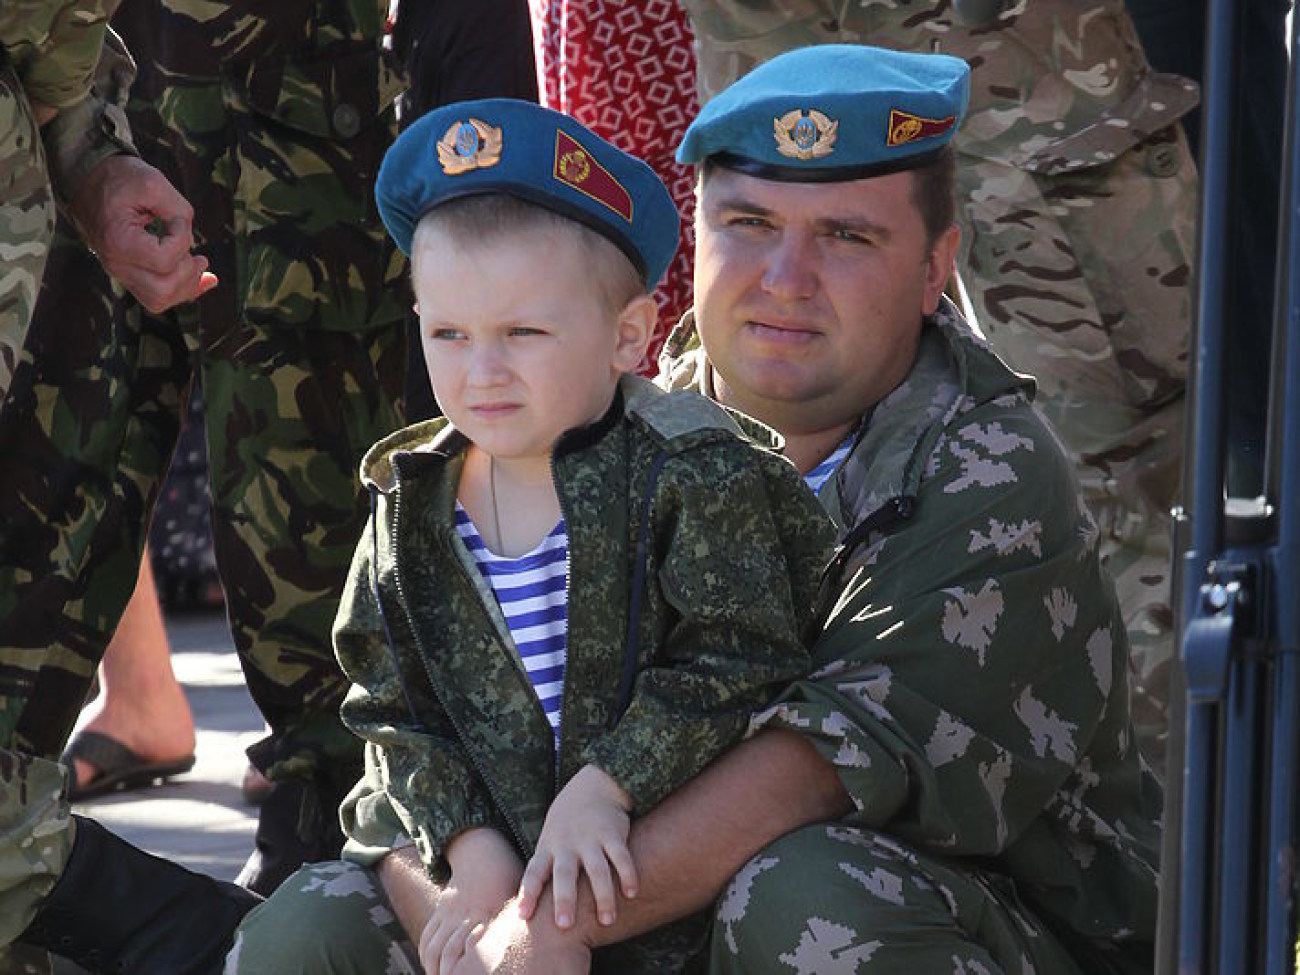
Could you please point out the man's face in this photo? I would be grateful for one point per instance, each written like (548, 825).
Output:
(809, 296)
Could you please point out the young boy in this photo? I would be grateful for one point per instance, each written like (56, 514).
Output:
(575, 588)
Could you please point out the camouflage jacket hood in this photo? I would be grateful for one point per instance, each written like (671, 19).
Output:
(731, 543)
(975, 699)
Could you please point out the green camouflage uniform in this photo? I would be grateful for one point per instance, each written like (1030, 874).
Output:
(733, 546)
(272, 120)
(48, 53)
(1077, 200)
(974, 702)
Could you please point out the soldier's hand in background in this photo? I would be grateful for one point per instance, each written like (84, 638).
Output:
(140, 227)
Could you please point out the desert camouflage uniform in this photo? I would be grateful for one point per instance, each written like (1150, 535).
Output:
(271, 119)
(48, 53)
(733, 546)
(970, 688)
(1077, 200)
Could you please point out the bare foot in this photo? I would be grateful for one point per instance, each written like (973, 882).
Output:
(141, 705)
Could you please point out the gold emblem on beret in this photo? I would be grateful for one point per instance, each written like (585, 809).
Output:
(467, 146)
(805, 135)
(575, 166)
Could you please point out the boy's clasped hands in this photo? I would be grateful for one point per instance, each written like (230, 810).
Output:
(585, 830)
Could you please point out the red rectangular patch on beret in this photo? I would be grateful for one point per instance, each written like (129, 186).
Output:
(576, 167)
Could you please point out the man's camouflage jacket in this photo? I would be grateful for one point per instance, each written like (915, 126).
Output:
(970, 683)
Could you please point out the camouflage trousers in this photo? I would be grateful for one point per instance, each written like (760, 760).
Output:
(823, 900)
(26, 219)
(327, 919)
(1077, 199)
(826, 900)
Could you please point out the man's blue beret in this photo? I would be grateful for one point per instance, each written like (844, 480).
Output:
(502, 145)
(833, 112)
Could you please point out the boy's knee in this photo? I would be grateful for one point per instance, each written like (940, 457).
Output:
(326, 919)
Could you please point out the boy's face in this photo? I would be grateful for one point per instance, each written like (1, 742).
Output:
(518, 343)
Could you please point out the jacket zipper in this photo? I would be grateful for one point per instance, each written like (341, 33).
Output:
(893, 512)
(515, 831)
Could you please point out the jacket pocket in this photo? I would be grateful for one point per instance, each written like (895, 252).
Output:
(1139, 120)
(310, 132)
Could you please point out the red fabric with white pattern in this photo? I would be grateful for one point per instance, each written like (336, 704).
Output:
(627, 71)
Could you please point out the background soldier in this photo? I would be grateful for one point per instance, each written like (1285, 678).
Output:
(48, 54)
(273, 119)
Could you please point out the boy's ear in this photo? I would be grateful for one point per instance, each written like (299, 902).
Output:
(636, 326)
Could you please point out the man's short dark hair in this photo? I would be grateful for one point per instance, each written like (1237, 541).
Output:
(934, 193)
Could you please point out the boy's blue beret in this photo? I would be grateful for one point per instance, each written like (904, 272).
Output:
(833, 112)
(502, 145)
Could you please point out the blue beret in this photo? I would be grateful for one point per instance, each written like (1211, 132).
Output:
(501, 145)
(833, 112)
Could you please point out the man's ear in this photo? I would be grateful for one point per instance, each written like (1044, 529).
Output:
(636, 326)
(939, 267)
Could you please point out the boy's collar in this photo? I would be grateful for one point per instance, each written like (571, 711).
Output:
(581, 437)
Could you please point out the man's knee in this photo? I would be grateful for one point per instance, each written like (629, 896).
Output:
(326, 919)
(831, 898)
(795, 889)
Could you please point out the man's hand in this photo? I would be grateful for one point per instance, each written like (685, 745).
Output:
(586, 828)
(509, 945)
(141, 230)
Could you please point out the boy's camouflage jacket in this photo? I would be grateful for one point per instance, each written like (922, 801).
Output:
(456, 737)
(970, 682)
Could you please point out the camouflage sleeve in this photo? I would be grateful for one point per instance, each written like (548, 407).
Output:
(54, 45)
(84, 135)
(743, 542)
(971, 656)
(418, 782)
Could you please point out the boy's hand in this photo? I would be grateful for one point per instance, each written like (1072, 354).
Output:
(485, 872)
(587, 827)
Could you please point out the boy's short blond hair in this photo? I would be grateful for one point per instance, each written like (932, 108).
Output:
(486, 217)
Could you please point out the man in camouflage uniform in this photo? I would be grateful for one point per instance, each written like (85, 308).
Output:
(963, 747)
(49, 50)
(273, 119)
(1078, 209)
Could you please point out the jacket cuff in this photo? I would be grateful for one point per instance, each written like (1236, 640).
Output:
(80, 138)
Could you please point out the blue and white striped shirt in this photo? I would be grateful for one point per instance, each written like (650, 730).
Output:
(531, 592)
(820, 474)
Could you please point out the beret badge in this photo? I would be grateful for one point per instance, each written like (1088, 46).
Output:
(467, 146)
(805, 135)
(904, 127)
(578, 168)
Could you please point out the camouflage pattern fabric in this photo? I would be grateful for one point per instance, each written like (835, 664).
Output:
(455, 736)
(336, 896)
(48, 53)
(272, 121)
(974, 701)
(54, 45)
(911, 913)
(26, 220)
(1077, 200)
